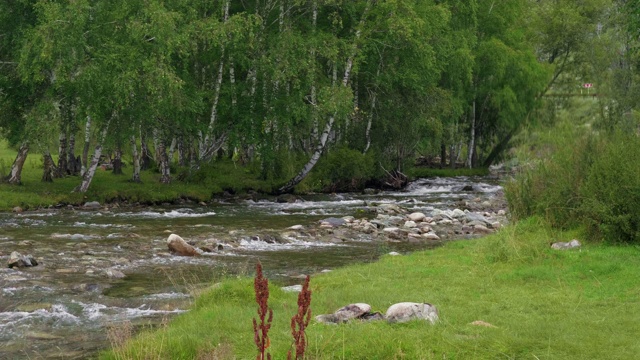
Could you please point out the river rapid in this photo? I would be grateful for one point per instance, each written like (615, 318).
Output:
(64, 307)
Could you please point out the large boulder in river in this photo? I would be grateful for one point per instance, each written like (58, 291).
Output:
(19, 261)
(407, 311)
(178, 246)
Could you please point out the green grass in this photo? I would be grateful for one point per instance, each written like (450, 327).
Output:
(545, 304)
(106, 187)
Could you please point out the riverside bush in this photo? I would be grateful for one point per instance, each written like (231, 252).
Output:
(591, 182)
(345, 169)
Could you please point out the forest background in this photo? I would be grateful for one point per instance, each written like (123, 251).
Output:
(276, 96)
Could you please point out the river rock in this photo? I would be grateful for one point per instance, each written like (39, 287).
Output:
(333, 221)
(430, 236)
(346, 313)
(566, 245)
(410, 224)
(178, 246)
(370, 191)
(394, 253)
(91, 205)
(407, 311)
(458, 214)
(17, 209)
(20, 261)
(296, 227)
(114, 274)
(416, 216)
(481, 229)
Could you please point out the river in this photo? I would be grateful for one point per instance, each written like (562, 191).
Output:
(63, 308)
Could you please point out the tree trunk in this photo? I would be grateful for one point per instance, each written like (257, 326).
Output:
(49, 167)
(145, 157)
(183, 156)
(327, 129)
(172, 149)
(15, 176)
(472, 140)
(73, 168)
(91, 169)
(443, 155)
(85, 150)
(136, 161)
(208, 145)
(163, 163)
(452, 156)
(117, 161)
(62, 153)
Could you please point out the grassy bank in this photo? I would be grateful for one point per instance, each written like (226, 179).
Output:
(211, 181)
(544, 304)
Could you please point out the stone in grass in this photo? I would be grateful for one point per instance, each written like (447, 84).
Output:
(566, 245)
(407, 311)
(483, 323)
(346, 313)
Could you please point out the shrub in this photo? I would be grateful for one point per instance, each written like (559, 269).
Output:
(611, 192)
(593, 182)
(345, 169)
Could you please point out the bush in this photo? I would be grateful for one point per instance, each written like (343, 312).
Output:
(344, 169)
(611, 192)
(593, 181)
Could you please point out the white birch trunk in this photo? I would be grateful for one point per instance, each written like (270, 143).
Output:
(172, 149)
(314, 96)
(472, 140)
(163, 164)
(367, 132)
(205, 146)
(91, 169)
(15, 175)
(85, 150)
(62, 152)
(327, 129)
(136, 160)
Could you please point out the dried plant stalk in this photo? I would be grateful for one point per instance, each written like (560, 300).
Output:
(265, 315)
(300, 321)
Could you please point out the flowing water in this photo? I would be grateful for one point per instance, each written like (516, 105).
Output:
(63, 308)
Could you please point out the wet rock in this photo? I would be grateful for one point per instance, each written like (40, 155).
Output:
(296, 227)
(410, 224)
(333, 221)
(114, 274)
(17, 209)
(430, 236)
(501, 212)
(370, 191)
(458, 214)
(566, 245)
(207, 248)
(178, 246)
(25, 243)
(17, 260)
(407, 311)
(344, 314)
(87, 287)
(202, 203)
(91, 205)
(416, 216)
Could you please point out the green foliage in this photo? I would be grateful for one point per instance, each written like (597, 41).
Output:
(583, 180)
(344, 169)
(611, 191)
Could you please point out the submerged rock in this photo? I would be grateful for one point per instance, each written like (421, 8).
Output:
(20, 261)
(178, 246)
(566, 245)
(407, 311)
